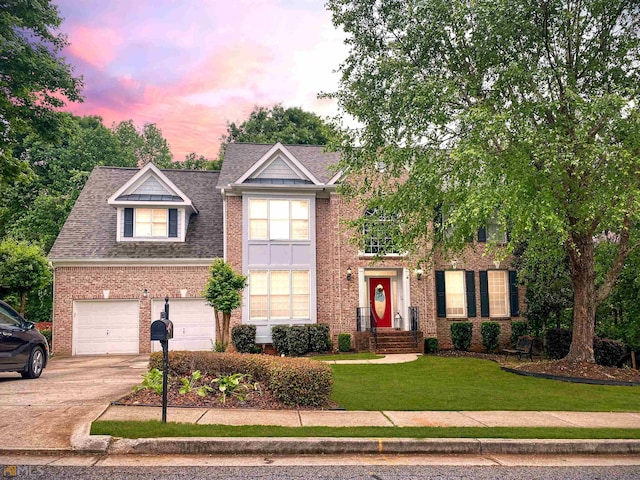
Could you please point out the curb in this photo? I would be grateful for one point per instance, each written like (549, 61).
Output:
(323, 445)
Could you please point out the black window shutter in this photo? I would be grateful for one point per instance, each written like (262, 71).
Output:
(440, 294)
(128, 222)
(513, 293)
(484, 293)
(173, 222)
(470, 285)
(437, 223)
(482, 234)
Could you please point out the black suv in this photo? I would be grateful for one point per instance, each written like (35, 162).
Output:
(22, 348)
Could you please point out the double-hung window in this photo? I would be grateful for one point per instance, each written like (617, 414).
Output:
(278, 219)
(498, 286)
(455, 293)
(151, 222)
(278, 294)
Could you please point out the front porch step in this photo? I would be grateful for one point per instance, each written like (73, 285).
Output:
(394, 341)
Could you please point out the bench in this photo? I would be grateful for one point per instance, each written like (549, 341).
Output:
(524, 347)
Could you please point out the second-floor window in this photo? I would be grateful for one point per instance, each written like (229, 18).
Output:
(377, 233)
(155, 223)
(278, 219)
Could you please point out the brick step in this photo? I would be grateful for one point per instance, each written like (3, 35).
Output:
(388, 351)
(397, 342)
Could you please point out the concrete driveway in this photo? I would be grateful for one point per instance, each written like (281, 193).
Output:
(43, 414)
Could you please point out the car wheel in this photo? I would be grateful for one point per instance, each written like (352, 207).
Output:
(35, 365)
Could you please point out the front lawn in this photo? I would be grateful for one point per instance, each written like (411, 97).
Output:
(348, 356)
(439, 383)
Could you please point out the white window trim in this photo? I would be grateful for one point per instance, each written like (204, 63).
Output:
(280, 320)
(182, 225)
(269, 237)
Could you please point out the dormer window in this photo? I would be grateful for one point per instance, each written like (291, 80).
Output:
(151, 223)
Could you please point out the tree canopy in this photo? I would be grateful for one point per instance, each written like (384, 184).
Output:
(35, 80)
(524, 111)
(292, 126)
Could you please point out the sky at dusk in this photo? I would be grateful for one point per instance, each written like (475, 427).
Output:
(191, 66)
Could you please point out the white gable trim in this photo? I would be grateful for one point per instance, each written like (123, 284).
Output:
(335, 178)
(286, 156)
(139, 178)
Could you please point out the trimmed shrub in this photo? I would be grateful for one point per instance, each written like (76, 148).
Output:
(297, 340)
(294, 381)
(48, 335)
(319, 340)
(430, 345)
(518, 329)
(243, 338)
(609, 353)
(279, 339)
(301, 382)
(490, 332)
(344, 342)
(558, 342)
(461, 335)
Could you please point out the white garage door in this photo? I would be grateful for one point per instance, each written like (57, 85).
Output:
(193, 320)
(106, 326)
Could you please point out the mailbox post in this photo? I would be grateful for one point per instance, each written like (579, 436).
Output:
(162, 330)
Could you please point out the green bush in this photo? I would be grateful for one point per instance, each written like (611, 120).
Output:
(430, 345)
(558, 342)
(490, 332)
(297, 340)
(301, 382)
(279, 339)
(319, 339)
(344, 342)
(609, 353)
(294, 381)
(518, 329)
(48, 335)
(461, 335)
(243, 338)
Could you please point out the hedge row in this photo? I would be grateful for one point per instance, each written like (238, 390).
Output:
(294, 381)
(298, 340)
(609, 353)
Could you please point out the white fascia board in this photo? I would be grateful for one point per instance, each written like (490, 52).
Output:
(131, 262)
(278, 147)
(335, 178)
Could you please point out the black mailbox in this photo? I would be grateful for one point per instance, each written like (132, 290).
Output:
(162, 330)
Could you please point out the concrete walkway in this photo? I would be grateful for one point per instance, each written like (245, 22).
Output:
(387, 359)
(335, 418)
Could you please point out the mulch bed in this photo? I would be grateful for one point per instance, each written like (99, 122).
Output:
(557, 368)
(260, 399)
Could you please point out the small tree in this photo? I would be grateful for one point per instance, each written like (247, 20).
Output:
(23, 269)
(224, 294)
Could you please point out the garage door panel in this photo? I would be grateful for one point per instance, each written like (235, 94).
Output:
(193, 324)
(107, 326)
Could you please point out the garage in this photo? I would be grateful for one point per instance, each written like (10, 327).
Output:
(193, 324)
(106, 326)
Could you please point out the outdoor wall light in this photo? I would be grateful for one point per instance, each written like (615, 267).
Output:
(349, 274)
(145, 293)
(419, 273)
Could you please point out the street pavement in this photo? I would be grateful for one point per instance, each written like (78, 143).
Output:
(54, 414)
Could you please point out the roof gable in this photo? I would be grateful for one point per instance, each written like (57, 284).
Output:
(150, 185)
(280, 155)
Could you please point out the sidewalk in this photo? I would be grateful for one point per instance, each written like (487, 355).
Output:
(293, 418)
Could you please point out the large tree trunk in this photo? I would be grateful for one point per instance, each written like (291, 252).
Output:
(581, 251)
(23, 303)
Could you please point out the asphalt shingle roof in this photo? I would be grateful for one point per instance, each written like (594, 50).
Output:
(239, 157)
(90, 230)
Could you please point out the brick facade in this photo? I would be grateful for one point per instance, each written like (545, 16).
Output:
(126, 282)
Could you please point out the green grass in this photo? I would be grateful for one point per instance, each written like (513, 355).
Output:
(438, 383)
(348, 356)
(155, 429)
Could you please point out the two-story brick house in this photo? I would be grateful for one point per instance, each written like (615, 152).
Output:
(273, 212)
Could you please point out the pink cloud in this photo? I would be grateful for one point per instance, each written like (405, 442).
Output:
(96, 46)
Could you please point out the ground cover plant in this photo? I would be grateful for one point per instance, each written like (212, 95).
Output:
(439, 383)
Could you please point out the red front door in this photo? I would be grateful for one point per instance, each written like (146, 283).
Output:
(380, 300)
